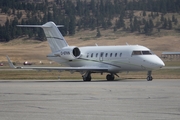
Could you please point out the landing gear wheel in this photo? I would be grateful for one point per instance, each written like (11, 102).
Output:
(110, 77)
(87, 78)
(149, 78)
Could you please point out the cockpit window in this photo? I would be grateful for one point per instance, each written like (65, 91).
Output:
(141, 53)
(146, 53)
(136, 53)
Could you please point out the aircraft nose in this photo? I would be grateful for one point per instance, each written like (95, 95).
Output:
(155, 62)
(160, 63)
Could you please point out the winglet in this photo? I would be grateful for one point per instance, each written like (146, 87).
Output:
(10, 63)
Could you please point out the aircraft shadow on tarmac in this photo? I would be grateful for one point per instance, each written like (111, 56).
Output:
(94, 80)
(75, 80)
(101, 80)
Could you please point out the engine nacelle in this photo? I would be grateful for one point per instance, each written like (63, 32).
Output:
(69, 53)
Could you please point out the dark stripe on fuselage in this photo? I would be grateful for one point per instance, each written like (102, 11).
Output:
(101, 62)
(91, 60)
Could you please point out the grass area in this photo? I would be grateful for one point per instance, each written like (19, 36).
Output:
(7, 73)
(32, 74)
(172, 63)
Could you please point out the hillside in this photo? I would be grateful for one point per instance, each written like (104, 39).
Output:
(149, 17)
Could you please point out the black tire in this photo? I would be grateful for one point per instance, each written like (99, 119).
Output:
(87, 78)
(149, 78)
(110, 77)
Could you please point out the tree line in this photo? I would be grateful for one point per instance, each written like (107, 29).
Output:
(81, 15)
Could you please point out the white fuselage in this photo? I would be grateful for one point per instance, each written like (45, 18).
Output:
(115, 58)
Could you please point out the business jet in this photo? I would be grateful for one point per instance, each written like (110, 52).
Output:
(95, 59)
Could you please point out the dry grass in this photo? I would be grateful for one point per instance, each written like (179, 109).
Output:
(30, 74)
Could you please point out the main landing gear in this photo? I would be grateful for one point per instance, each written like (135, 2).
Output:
(87, 76)
(149, 77)
(110, 77)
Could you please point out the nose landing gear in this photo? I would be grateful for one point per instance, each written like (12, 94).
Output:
(149, 77)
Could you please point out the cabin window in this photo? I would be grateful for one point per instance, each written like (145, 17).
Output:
(115, 54)
(96, 54)
(91, 54)
(106, 54)
(120, 54)
(111, 55)
(87, 55)
(101, 55)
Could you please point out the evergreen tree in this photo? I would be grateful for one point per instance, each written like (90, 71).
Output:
(72, 25)
(120, 22)
(50, 16)
(79, 8)
(132, 27)
(115, 29)
(136, 24)
(19, 15)
(41, 35)
(163, 6)
(30, 33)
(176, 21)
(144, 13)
(169, 24)
(151, 25)
(162, 18)
(146, 27)
(173, 18)
(165, 23)
(109, 23)
(98, 33)
(92, 6)
(104, 24)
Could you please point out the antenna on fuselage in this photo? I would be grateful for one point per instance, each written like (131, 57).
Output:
(127, 43)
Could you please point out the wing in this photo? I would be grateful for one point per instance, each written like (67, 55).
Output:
(74, 69)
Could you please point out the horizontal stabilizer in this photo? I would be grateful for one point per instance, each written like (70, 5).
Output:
(10, 63)
(39, 26)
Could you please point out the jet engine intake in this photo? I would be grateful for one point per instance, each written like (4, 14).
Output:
(70, 53)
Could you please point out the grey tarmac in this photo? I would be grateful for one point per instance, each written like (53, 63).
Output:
(131, 99)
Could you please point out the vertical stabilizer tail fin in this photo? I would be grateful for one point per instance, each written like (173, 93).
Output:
(54, 37)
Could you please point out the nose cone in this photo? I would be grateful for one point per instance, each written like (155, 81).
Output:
(160, 63)
(153, 62)
(157, 63)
